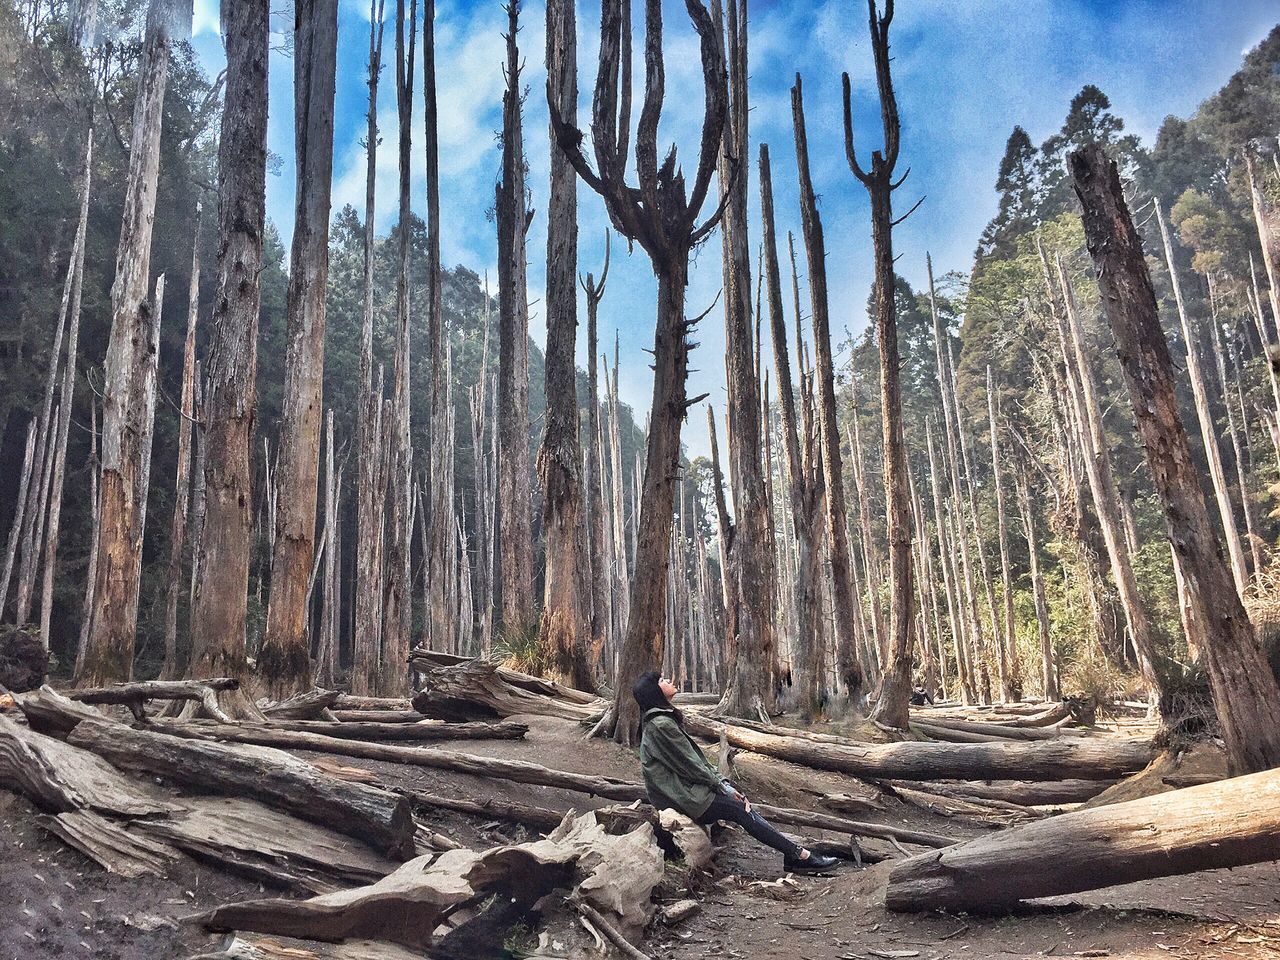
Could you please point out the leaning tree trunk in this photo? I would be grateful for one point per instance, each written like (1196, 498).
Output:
(515, 533)
(843, 596)
(1244, 690)
(1265, 219)
(221, 558)
(749, 691)
(172, 668)
(370, 483)
(129, 382)
(564, 630)
(285, 658)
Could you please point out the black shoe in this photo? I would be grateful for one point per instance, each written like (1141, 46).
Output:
(814, 863)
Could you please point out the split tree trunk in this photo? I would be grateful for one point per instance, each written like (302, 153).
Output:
(284, 661)
(1244, 691)
(129, 381)
(221, 559)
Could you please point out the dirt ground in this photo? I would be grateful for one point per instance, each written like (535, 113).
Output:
(55, 903)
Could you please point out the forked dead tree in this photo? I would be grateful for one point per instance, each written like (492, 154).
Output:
(1244, 689)
(597, 555)
(661, 215)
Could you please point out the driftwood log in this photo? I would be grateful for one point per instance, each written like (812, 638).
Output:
(479, 688)
(377, 716)
(301, 706)
(1075, 758)
(1225, 824)
(114, 848)
(255, 947)
(134, 695)
(423, 730)
(376, 816)
(349, 701)
(1022, 792)
(427, 661)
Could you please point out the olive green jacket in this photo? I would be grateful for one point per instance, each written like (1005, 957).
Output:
(676, 773)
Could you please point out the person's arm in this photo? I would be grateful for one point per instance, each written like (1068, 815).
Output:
(675, 752)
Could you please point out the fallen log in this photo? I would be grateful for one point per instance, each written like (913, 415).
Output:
(1075, 758)
(479, 688)
(349, 701)
(58, 777)
(377, 716)
(966, 811)
(1006, 731)
(423, 730)
(376, 816)
(961, 794)
(1022, 792)
(110, 845)
(254, 947)
(427, 661)
(523, 771)
(134, 695)
(541, 819)
(301, 706)
(948, 735)
(1226, 824)
(48, 711)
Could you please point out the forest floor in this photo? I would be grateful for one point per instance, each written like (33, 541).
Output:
(56, 903)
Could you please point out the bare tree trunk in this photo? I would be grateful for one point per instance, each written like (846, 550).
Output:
(326, 649)
(955, 614)
(565, 627)
(807, 494)
(223, 547)
(750, 685)
(65, 403)
(1208, 430)
(285, 658)
(1097, 459)
(20, 505)
(172, 668)
(370, 483)
(600, 633)
(895, 689)
(515, 535)
(1012, 679)
(1244, 691)
(843, 596)
(479, 399)
(129, 382)
(91, 572)
(1048, 675)
(1264, 218)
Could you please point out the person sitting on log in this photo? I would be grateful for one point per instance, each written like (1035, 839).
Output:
(678, 776)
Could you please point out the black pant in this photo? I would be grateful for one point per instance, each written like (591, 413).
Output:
(733, 810)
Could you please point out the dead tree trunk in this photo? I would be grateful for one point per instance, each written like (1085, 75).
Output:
(949, 579)
(285, 658)
(564, 630)
(1264, 217)
(1208, 429)
(600, 621)
(397, 465)
(1244, 690)
(1238, 448)
(221, 559)
(515, 534)
(895, 687)
(749, 688)
(843, 596)
(807, 494)
(91, 571)
(19, 507)
(370, 482)
(662, 218)
(1012, 678)
(65, 403)
(129, 382)
(1048, 674)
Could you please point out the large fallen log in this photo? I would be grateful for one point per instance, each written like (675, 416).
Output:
(1003, 730)
(423, 730)
(377, 716)
(114, 848)
(1023, 792)
(376, 816)
(301, 706)
(48, 711)
(58, 777)
(523, 771)
(1074, 758)
(254, 947)
(479, 688)
(427, 661)
(615, 874)
(134, 695)
(1225, 824)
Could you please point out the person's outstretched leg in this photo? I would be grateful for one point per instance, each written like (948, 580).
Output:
(734, 810)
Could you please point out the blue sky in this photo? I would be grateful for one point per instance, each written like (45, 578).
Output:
(966, 72)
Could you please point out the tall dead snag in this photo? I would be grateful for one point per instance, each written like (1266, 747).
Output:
(566, 600)
(1048, 674)
(751, 647)
(1012, 676)
(1097, 460)
(1244, 690)
(285, 658)
(371, 484)
(485, 460)
(1265, 218)
(662, 217)
(129, 380)
(172, 668)
(1208, 429)
(895, 689)
(441, 522)
(845, 622)
(394, 432)
(599, 609)
(222, 548)
(76, 269)
(515, 506)
(804, 474)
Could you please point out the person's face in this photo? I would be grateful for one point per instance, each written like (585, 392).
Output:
(667, 687)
